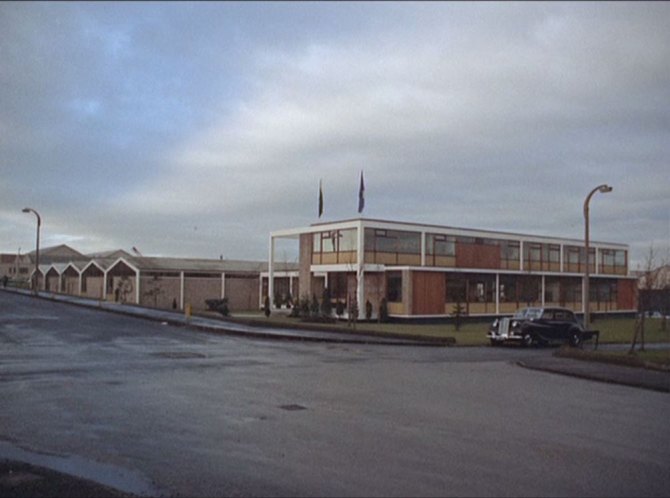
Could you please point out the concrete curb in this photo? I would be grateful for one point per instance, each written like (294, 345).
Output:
(632, 381)
(222, 329)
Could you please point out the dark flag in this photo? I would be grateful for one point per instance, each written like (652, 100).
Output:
(361, 195)
(320, 200)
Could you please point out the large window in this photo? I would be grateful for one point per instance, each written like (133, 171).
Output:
(440, 250)
(613, 261)
(394, 287)
(335, 246)
(575, 260)
(510, 254)
(539, 256)
(392, 246)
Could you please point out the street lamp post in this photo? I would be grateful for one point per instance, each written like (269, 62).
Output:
(37, 248)
(586, 301)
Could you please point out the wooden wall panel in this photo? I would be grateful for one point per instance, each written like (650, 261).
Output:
(428, 293)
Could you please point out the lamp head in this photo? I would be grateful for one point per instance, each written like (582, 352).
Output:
(26, 210)
(603, 189)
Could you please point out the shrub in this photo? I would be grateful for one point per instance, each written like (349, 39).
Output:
(339, 308)
(368, 310)
(222, 307)
(383, 311)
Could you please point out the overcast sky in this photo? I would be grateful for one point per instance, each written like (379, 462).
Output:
(194, 129)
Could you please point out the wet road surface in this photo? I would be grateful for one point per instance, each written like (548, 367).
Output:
(157, 409)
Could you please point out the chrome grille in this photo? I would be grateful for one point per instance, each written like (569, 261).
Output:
(503, 327)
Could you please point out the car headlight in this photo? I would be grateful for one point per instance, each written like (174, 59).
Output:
(495, 323)
(514, 324)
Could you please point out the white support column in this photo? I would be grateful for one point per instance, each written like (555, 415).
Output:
(543, 290)
(271, 271)
(521, 255)
(223, 285)
(562, 259)
(360, 256)
(423, 248)
(181, 290)
(290, 286)
(497, 293)
(104, 286)
(137, 288)
(79, 290)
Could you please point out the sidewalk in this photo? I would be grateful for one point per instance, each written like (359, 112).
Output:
(601, 372)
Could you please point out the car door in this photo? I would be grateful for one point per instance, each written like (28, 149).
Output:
(544, 326)
(564, 321)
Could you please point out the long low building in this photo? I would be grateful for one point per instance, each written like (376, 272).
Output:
(159, 282)
(429, 270)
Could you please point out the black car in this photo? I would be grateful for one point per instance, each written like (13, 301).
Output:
(531, 326)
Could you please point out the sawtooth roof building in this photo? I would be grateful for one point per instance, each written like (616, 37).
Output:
(160, 282)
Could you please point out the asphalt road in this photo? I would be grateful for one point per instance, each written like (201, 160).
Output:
(154, 409)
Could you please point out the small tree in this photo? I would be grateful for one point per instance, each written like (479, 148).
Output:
(458, 314)
(651, 279)
(353, 312)
(266, 306)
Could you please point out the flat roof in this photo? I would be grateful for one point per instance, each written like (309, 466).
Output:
(471, 232)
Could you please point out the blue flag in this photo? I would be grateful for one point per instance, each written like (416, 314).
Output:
(320, 200)
(361, 195)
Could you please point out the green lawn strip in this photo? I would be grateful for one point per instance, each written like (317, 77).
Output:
(653, 359)
(612, 330)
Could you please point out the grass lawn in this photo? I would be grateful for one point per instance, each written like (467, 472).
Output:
(612, 330)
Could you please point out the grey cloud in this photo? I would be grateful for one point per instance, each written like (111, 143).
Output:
(224, 117)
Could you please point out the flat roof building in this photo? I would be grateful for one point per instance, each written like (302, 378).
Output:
(424, 270)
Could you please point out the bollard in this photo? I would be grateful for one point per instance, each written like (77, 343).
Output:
(187, 311)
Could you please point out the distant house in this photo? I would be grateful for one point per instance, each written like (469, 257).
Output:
(656, 279)
(19, 267)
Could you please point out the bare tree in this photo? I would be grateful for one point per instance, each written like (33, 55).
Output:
(651, 277)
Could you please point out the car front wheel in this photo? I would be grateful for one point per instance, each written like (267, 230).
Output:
(527, 340)
(575, 339)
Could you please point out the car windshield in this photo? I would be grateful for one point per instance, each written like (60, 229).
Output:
(528, 313)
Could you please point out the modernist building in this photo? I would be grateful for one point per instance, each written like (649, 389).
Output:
(427, 270)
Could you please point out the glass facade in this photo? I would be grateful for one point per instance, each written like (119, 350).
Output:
(486, 275)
